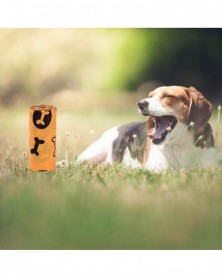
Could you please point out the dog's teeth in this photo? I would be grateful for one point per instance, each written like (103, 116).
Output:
(169, 128)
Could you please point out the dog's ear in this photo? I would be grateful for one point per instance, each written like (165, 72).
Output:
(200, 110)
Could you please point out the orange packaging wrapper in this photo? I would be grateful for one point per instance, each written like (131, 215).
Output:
(42, 137)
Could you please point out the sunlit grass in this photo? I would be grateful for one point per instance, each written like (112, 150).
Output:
(110, 207)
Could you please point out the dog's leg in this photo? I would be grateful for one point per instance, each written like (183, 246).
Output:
(96, 153)
(101, 150)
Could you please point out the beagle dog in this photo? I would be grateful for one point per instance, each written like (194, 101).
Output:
(176, 134)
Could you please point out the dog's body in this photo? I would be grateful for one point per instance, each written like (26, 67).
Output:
(176, 135)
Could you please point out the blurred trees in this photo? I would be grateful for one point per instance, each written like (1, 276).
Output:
(170, 57)
(36, 63)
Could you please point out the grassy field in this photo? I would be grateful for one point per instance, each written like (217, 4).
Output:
(97, 206)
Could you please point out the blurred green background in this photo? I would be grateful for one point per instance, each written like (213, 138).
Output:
(37, 63)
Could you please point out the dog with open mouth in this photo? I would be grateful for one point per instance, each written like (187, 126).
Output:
(176, 134)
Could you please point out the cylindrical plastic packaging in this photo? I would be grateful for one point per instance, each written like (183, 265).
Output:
(42, 137)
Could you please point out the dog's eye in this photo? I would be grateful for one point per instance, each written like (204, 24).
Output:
(183, 99)
(170, 96)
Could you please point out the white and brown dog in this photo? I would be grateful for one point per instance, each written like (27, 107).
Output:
(176, 135)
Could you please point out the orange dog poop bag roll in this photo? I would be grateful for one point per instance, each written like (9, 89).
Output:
(42, 137)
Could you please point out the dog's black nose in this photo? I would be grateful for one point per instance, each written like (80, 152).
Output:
(143, 104)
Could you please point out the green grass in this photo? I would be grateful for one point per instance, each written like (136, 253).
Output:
(101, 207)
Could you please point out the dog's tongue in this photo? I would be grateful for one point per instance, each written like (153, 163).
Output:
(162, 125)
